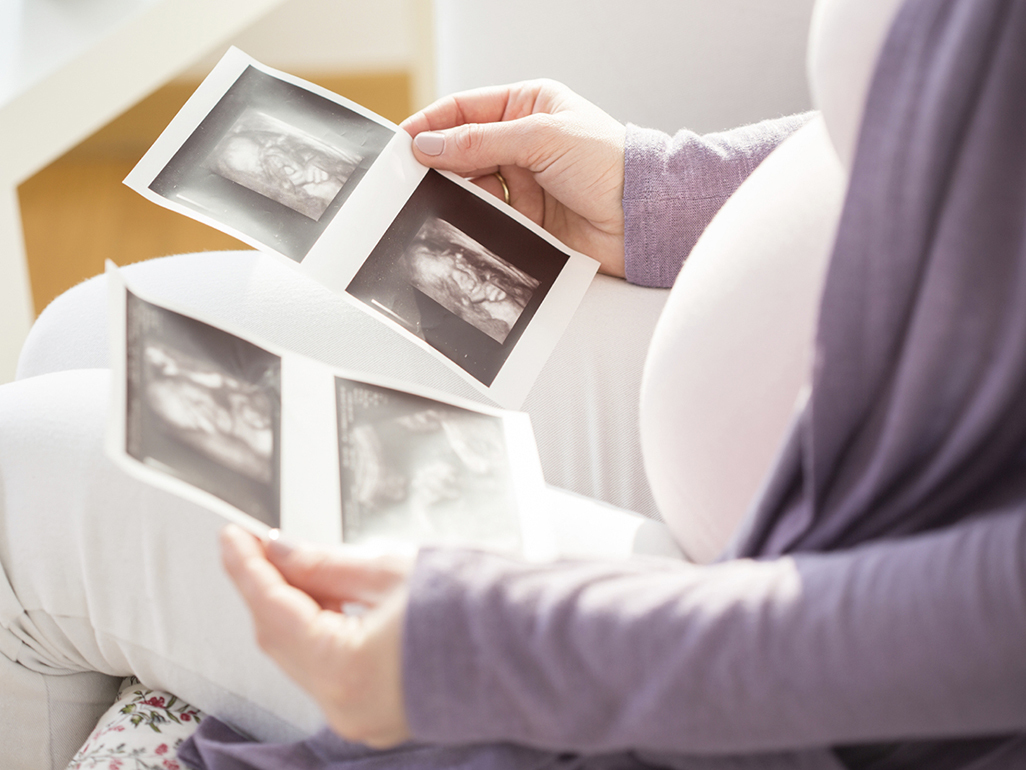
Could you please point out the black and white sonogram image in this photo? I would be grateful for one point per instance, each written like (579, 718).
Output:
(273, 161)
(414, 470)
(283, 163)
(204, 406)
(460, 274)
(467, 279)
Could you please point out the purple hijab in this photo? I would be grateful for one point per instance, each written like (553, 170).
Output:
(917, 415)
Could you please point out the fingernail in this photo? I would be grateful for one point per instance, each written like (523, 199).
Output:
(230, 533)
(278, 545)
(430, 142)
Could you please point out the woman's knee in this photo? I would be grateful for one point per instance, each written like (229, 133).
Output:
(71, 333)
(114, 575)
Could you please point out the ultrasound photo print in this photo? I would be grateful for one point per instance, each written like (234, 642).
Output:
(283, 163)
(414, 470)
(272, 162)
(467, 279)
(204, 406)
(461, 275)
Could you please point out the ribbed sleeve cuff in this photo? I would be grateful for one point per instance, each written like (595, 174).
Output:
(660, 225)
(673, 187)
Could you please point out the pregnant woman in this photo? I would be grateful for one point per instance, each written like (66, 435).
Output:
(861, 497)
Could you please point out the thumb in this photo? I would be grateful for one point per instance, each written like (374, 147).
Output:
(333, 575)
(477, 149)
(278, 609)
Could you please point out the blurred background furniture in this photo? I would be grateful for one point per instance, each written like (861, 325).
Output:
(66, 69)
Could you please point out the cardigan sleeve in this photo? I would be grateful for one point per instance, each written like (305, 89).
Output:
(673, 186)
(915, 637)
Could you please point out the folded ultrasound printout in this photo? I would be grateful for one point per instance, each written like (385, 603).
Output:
(272, 439)
(334, 190)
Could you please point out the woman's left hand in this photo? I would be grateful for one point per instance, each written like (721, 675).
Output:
(350, 664)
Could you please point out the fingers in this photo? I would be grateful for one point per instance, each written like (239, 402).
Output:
(481, 105)
(289, 625)
(477, 149)
(562, 158)
(351, 666)
(332, 576)
(277, 607)
(475, 132)
(490, 183)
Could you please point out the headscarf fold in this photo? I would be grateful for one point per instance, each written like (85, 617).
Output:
(917, 413)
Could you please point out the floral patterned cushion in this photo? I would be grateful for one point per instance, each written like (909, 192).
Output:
(141, 731)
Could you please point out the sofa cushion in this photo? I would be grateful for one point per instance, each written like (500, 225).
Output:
(141, 731)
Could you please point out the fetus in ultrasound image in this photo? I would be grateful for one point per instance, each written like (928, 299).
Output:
(467, 279)
(415, 470)
(282, 162)
(204, 407)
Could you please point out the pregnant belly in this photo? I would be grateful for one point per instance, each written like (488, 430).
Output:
(732, 351)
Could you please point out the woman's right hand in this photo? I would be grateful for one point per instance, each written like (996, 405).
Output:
(561, 156)
(350, 664)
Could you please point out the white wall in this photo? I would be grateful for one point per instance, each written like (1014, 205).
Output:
(315, 36)
(312, 37)
(704, 64)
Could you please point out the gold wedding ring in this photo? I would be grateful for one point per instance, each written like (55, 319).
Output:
(505, 187)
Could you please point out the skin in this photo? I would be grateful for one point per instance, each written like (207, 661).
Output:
(563, 160)
(561, 156)
(350, 664)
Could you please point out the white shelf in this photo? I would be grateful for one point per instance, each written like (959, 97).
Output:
(68, 67)
(38, 37)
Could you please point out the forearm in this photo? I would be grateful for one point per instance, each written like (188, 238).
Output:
(673, 186)
(912, 638)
